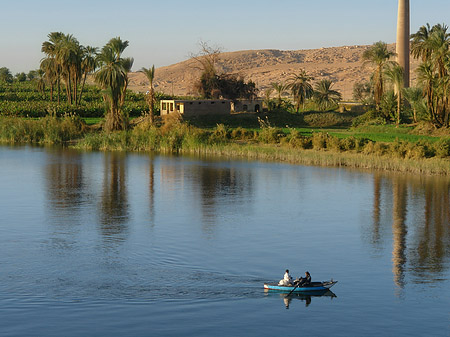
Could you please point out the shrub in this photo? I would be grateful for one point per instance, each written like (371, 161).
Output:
(319, 140)
(270, 135)
(371, 117)
(240, 133)
(442, 148)
(327, 119)
(220, 134)
(398, 148)
(349, 143)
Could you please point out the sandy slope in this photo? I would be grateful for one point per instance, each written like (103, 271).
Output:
(343, 65)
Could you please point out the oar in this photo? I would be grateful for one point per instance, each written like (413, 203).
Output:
(298, 283)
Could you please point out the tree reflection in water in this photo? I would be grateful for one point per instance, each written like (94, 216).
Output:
(221, 187)
(65, 180)
(114, 208)
(420, 213)
(399, 230)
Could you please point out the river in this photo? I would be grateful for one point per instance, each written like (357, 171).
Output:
(114, 244)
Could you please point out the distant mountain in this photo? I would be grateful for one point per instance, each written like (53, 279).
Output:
(342, 65)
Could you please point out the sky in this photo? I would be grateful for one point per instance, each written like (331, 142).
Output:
(168, 31)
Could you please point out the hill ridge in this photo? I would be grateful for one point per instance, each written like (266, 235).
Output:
(343, 65)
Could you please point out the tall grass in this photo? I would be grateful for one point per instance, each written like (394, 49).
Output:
(269, 143)
(46, 130)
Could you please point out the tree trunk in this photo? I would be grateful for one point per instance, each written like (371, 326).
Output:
(75, 88)
(151, 101)
(82, 87)
(59, 87)
(69, 89)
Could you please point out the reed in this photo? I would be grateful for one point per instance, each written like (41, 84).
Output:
(433, 166)
(272, 144)
(46, 130)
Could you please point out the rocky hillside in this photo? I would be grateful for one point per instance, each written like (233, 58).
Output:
(343, 65)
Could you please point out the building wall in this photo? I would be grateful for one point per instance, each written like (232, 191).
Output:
(247, 105)
(195, 108)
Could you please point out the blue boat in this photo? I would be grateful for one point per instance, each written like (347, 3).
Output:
(311, 287)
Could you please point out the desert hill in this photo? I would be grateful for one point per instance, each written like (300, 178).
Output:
(342, 65)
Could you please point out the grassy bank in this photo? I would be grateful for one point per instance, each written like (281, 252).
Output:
(424, 156)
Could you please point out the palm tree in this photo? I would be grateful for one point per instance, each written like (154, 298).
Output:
(68, 55)
(414, 96)
(112, 77)
(439, 42)
(379, 55)
(432, 45)
(150, 74)
(268, 102)
(324, 96)
(280, 88)
(394, 73)
(127, 65)
(88, 64)
(301, 88)
(51, 67)
(40, 82)
(420, 43)
(428, 79)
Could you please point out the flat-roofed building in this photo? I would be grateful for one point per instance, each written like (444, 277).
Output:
(247, 105)
(190, 108)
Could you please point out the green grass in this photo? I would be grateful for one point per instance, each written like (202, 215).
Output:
(92, 120)
(303, 146)
(385, 133)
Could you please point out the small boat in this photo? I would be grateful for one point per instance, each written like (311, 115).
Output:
(313, 286)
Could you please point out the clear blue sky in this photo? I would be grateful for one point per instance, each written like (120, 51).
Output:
(167, 31)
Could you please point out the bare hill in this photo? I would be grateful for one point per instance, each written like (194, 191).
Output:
(342, 65)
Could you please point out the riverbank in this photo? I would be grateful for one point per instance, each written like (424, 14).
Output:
(273, 144)
(267, 143)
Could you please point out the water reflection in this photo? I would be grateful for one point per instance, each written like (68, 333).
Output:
(151, 189)
(114, 207)
(399, 230)
(221, 186)
(303, 297)
(412, 212)
(432, 242)
(420, 212)
(67, 193)
(65, 181)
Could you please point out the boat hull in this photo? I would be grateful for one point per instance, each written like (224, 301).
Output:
(314, 286)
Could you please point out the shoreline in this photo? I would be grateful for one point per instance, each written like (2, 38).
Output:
(268, 144)
(308, 157)
(320, 158)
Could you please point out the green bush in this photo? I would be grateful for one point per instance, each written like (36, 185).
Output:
(327, 119)
(371, 117)
(270, 135)
(220, 134)
(442, 148)
(319, 140)
(240, 133)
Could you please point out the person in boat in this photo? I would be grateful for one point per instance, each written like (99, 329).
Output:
(287, 279)
(304, 281)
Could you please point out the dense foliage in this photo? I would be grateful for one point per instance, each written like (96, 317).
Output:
(23, 99)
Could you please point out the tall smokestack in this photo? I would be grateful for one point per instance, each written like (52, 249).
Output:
(403, 38)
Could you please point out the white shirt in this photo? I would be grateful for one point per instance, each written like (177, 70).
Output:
(287, 277)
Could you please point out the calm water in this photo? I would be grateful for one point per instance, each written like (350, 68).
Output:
(95, 244)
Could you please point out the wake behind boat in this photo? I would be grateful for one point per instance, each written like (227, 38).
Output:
(311, 287)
